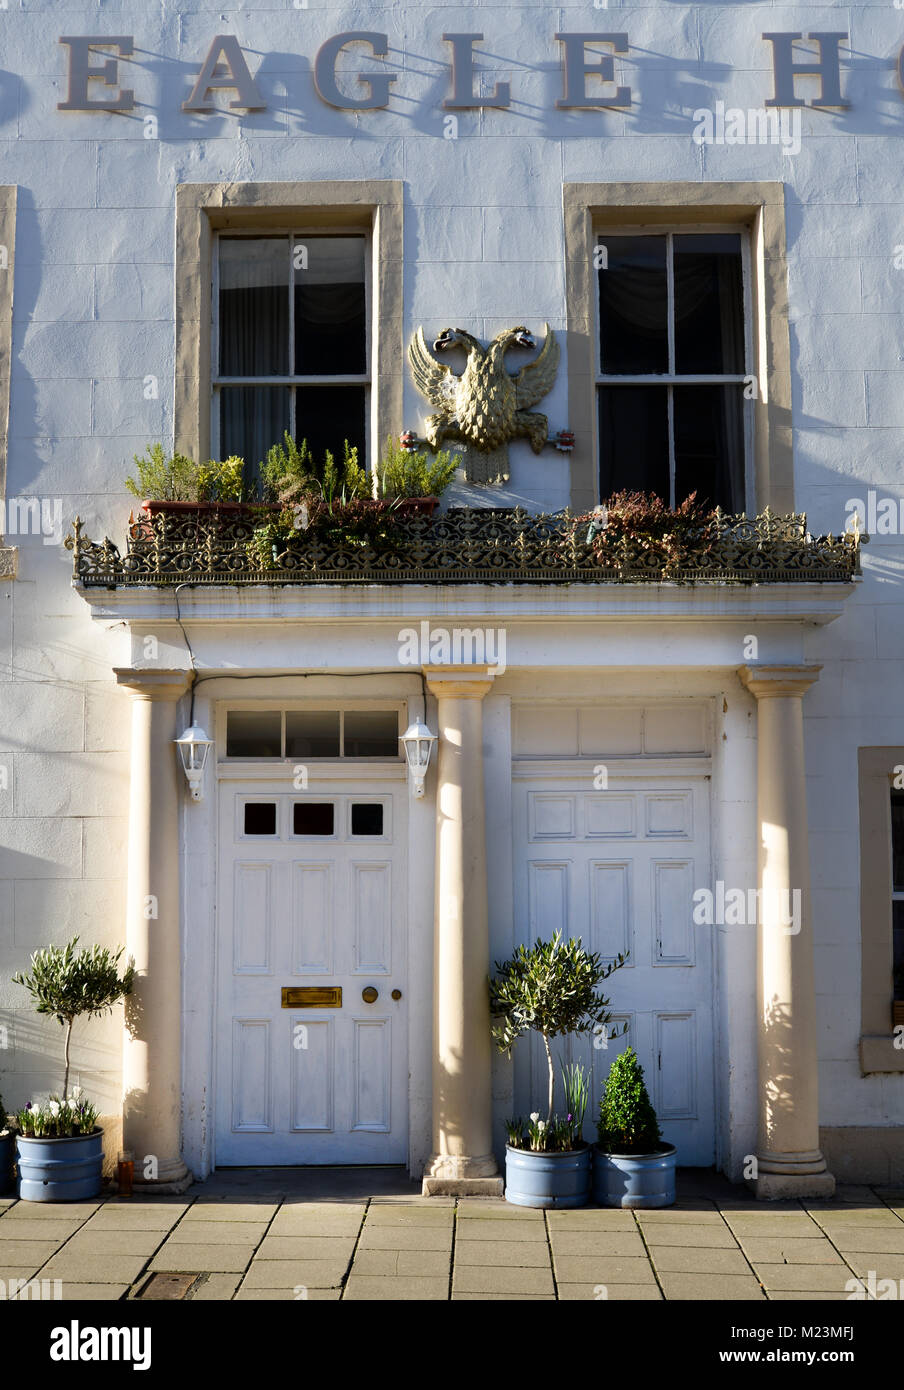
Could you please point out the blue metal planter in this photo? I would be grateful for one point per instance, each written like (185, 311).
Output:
(634, 1180)
(60, 1170)
(7, 1149)
(547, 1180)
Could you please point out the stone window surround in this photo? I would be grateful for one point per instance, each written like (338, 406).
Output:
(592, 207)
(876, 772)
(205, 208)
(8, 196)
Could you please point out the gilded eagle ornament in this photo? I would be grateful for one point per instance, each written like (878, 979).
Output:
(485, 406)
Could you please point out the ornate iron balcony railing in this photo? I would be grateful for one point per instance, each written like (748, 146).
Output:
(462, 546)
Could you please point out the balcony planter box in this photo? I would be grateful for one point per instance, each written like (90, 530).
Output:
(142, 528)
(634, 1180)
(60, 1170)
(7, 1150)
(414, 506)
(407, 506)
(547, 1179)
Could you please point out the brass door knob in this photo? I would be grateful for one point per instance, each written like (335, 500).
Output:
(369, 994)
(396, 994)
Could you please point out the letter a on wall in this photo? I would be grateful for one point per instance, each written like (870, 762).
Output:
(225, 66)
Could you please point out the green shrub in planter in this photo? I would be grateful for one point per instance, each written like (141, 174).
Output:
(627, 1121)
(632, 1166)
(177, 478)
(403, 473)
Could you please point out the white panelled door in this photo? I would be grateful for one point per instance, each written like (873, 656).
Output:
(311, 898)
(619, 868)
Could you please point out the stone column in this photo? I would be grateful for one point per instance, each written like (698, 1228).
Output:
(463, 1160)
(152, 1047)
(789, 1160)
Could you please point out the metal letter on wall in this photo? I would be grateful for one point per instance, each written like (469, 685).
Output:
(225, 66)
(463, 97)
(826, 69)
(576, 69)
(378, 82)
(81, 73)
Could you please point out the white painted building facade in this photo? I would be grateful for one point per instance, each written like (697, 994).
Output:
(617, 743)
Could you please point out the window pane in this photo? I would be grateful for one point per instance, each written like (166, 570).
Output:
(709, 304)
(312, 733)
(709, 445)
(634, 439)
(254, 306)
(327, 415)
(897, 841)
(634, 305)
(371, 734)
(367, 818)
(260, 818)
(330, 324)
(253, 734)
(312, 818)
(251, 419)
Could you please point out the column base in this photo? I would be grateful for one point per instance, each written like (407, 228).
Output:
(173, 1179)
(463, 1187)
(456, 1175)
(776, 1187)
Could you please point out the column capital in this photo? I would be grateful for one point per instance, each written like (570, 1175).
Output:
(459, 682)
(767, 682)
(156, 684)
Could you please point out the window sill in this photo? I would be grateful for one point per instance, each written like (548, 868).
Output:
(878, 1053)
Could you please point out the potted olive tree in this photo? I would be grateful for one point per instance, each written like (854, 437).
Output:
(551, 988)
(59, 1147)
(632, 1167)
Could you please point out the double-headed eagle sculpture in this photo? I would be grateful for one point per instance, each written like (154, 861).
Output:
(485, 406)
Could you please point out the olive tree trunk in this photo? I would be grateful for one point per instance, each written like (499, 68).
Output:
(552, 1078)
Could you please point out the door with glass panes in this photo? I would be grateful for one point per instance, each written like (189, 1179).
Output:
(311, 1031)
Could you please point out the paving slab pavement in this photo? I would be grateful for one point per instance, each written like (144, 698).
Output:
(367, 1235)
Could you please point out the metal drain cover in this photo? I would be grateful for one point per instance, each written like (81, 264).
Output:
(168, 1286)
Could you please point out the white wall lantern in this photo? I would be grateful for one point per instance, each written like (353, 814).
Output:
(194, 746)
(418, 742)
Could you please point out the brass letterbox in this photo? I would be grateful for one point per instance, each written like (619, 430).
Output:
(312, 997)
